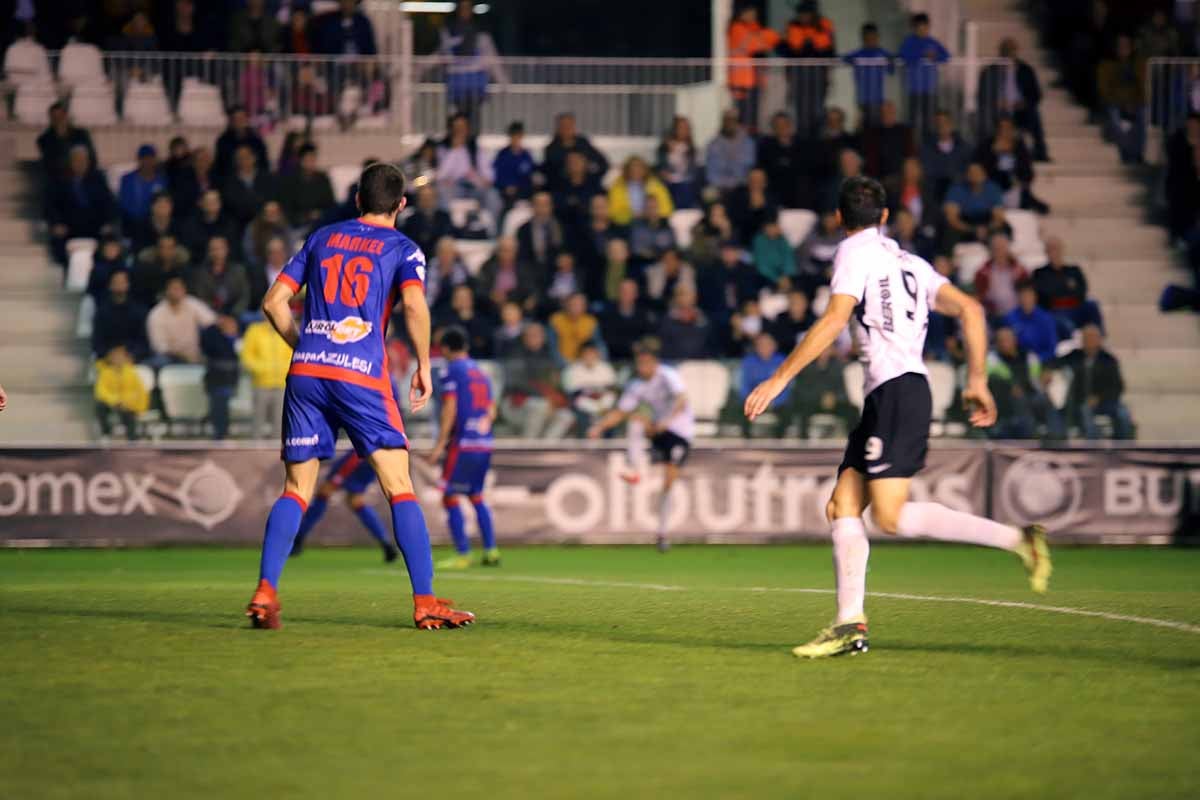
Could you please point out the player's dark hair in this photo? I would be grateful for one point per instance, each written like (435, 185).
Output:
(869, 27)
(647, 345)
(1025, 283)
(380, 189)
(454, 340)
(862, 202)
(919, 19)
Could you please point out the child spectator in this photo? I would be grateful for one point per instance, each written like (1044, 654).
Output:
(266, 357)
(921, 54)
(119, 391)
(590, 382)
(514, 168)
(872, 64)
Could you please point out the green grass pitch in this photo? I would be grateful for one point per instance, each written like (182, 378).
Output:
(597, 673)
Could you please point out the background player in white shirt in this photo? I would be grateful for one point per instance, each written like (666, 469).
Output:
(670, 427)
(890, 293)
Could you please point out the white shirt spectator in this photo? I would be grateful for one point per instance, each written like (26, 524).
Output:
(593, 383)
(175, 330)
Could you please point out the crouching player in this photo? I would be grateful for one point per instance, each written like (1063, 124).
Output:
(354, 475)
(354, 271)
(465, 441)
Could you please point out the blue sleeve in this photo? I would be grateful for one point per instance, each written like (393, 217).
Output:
(447, 383)
(412, 266)
(910, 49)
(942, 53)
(295, 272)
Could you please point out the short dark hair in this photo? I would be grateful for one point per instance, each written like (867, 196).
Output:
(454, 339)
(647, 346)
(305, 149)
(862, 202)
(1025, 283)
(919, 19)
(869, 27)
(381, 189)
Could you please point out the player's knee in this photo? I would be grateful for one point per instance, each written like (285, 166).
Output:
(839, 507)
(449, 501)
(887, 519)
(356, 501)
(476, 499)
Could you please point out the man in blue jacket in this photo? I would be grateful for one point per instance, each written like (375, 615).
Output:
(139, 187)
(346, 31)
(921, 53)
(1034, 326)
(872, 64)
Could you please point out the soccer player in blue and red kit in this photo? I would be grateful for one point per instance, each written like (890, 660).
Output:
(353, 474)
(355, 271)
(465, 439)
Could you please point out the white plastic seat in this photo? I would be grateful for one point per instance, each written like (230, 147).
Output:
(94, 104)
(26, 61)
(117, 171)
(299, 122)
(81, 64)
(968, 258)
(495, 375)
(79, 263)
(33, 101)
(941, 387)
(342, 177)
(146, 104)
(707, 387)
(474, 252)
(518, 215)
(461, 209)
(682, 222)
(200, 105)
(242, 404)
(182, 390)
(1059, 387)
(85, 320)
(852, 377)
(796, 224)
(350, 101)
(374, 122)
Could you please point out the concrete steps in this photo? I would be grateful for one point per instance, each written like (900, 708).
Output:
(1145, 327)
(1168, 370)
(1163, 417)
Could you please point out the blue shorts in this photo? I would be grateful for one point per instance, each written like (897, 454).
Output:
(465, 470)
(314, 409)
(352, 474)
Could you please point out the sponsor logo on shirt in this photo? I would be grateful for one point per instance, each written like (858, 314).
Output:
(344, 360)
(344, 331)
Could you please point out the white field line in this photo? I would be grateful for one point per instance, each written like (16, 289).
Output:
(978, 601)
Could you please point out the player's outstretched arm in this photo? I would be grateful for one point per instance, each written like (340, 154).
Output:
(416, 320)
(953, 302)
(610, 420)
(277, 308)
(820, 336)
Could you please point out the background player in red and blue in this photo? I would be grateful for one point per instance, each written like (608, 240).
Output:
(465, 440)
(353, 475)
(355, 271)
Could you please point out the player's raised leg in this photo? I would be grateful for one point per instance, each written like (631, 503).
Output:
(412, 538)
(282, 524)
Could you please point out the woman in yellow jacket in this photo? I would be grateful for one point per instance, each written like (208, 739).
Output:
(627, 197)
(119, 390)
(266, 358)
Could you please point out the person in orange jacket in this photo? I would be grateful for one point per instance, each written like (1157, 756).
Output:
(809, 36)
(747, 40)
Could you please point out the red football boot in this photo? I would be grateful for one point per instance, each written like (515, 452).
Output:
(434, 613)
(264, 607)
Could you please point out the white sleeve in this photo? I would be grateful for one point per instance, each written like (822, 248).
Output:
(630, 398)
(931, 279)
(849, 274)
(674, 382)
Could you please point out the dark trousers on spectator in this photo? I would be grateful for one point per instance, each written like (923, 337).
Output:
(1127, 130)
(746, 103)
(921, 108)
(807, 86)
(1115, 410)
(104, 415)
(1030, 119)
(218, 410)
(1069, 320)
(1022, 418)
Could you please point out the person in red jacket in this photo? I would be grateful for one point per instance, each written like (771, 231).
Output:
(746, 41)
(996, 281)
(809, 36)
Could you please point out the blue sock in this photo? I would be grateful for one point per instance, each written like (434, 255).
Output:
(487, 532)
(458, 528)
(370, 520)
(282, 524)
(412, 537)
(316, 510)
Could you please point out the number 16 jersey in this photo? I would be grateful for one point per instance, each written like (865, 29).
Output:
(895, 291)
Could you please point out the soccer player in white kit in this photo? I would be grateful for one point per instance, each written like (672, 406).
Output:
(890, 293)
(670, 428)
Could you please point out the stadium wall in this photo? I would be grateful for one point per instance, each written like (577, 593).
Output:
(730, 493)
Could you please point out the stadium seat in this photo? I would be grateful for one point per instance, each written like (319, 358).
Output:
(81, 64)
(796, 224)
(852, 377)
(968, 258)
(26, 61)
(94, 104)
(1025, 236)
(474, 252)
(350, 101)
(941, 387)
(241, 407)
(374, 122)
(495, 374)
(300, 122)
(461, 209)
(1059, 387)
(117, 171)
(682, 222)
(518, 215)
(707, 385)
(343, 176)
(86, 317)
(182, 389)
(32, 102)
(200, 105)
(146, 104)
(80, 255)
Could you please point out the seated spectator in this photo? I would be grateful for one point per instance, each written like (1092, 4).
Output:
(462, 314)
(590, 383)
(156, 265)
(289, 155)
(514, 168)
(1096, 386)
(534, 402)
(849, 166)
(773, 256)
(780, 158)
(684, 329)
(1013, 90)
(306, 193)
(630, 192)
(109, 257)
(173, 325)
(814, 257)
(904, 230)
(651, 234)
(1182, 180)
(972, 208)
(822, 392)
(184, 33)
(625, 322)
(160, 222)
(886, 145)
(191, 183)
(945, 154)
(248, 188)
(139, 187)
(616, 269)
(941, 340)
(573, 200)
(218, 343)
(1014, 377)
(789, 328)
(662, 277)
(506, 337)
(56, 142)
(346, 31)
(677, 164)
(462, 171)
(590, 244)
(253, 28)
(573, 326)
(267, 225)
(743, 327)
(872, 64)
(429, 223)
(540, 239)
(179, 160)
(750, 207)
(506, 276)
(119, 391)
(759, 363)
(565, 281)
(1010, 167)
(445, 272)
(79, 205)
(912, 193)
(709, 234)
(210, 220)
(119, 321)
(567, 139)
(730, 156)
(726, 284)
(1062, 290)
(1033, 326)
(239, 134)
(996, 281)
(220, 282)
(824, 153)
(1120, 83)
(1158, 37)
(262, 276)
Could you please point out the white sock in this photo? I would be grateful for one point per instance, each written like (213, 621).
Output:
(938, 522)
(850, 552)
(664, 512)
(635, 444)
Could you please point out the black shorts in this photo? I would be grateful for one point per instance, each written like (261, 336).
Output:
(892, 438)
(669, 448)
